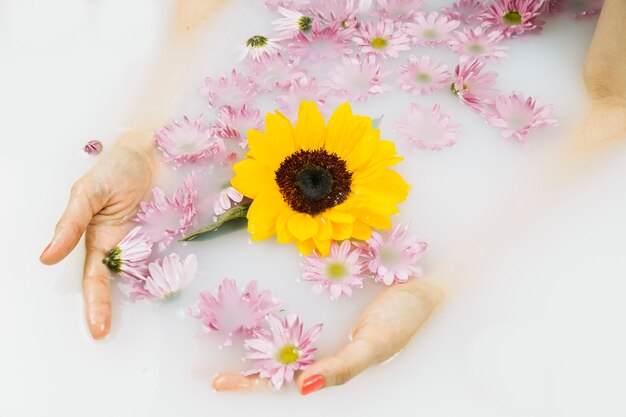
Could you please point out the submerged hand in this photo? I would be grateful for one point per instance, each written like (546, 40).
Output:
(382, 330)
(100, 204)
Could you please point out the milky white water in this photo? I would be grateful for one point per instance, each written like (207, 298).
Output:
(527, 242)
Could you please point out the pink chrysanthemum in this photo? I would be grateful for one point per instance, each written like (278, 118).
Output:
(275, 72)
(338, 272)
(258, 47)
(234, 312)
(432, 29)
(235, 124)
(93, 147)
(338, 12)
(513, 17)
(423, 75)
(188, 142)
(228, 198)
(465, 11)
(291, 23)
(169, 275)
(384, 39)
(234, 90)
(356, 79)
(473, 87)
(165, 219)
(286, 350)
(478, 44)
(398, 10)
(516, 115)
(130, 257)
(393, 256)
(289, 4)
(304, 88)
(321, 44)
(428, 129)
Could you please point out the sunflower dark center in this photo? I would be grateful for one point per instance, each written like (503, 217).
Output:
(313, 181)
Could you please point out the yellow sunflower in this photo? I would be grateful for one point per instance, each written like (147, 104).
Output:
(312, 184)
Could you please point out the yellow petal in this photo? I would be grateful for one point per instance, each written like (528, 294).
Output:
(275, 145)
(345, 131)
(263, 213)
(361, 230)
(305, 247)
(324, 228)
(342, 231)
(322, 246)
(302, 226)
(282, 232)
(337, 216)
(309, 130)
(251, 177)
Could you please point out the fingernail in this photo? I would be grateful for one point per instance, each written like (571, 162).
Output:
(99, 323)
(312, 383)
(230, 382)
(45, 250)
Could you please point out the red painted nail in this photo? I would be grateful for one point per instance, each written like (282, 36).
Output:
(312, 383)
(45, 250)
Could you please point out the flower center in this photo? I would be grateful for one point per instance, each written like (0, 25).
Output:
(388, 256)
(475, 48)
(305, 23)
(335, 271)
(113, 259)
(313, 181)
(429, 34)
(379, 43)
(288, 354)
(257, 41)
(512, 18)
(423, 77)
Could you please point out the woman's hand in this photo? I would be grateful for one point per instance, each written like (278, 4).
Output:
(100, 205)
(382, 330)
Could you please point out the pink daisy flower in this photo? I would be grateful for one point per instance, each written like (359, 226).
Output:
(165, 219)
(234, 312)
(423, 75)
(393, 256)
(321, 44)
(398, 10)
(258, 47)
(384, 39)
(342, 12)
(513, 17)
(284, 351)
(228, 198)
(516, 115)
(289, 4)
(234, 90)
(292, 23)
(478, 44)
(473, 87)
(275, 72)
(465, 11)
(130, 257)
(235, 124)
(431, 29)
(356, 79)
(167, 277)
(304, 88)
(188, 142)
(428, 129)
(338, 272)
(93, 147)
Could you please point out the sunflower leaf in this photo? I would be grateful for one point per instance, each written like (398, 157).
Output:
(234, 213)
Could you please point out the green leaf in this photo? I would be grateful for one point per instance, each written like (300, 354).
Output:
(234, 213)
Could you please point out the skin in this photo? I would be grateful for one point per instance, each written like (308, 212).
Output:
(103, 199)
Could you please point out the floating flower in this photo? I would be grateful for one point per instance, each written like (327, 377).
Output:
(513, 17)
(234, 90)
(384, 38)
(164, 218)
(258, 47)
(234, 312)
(393, 256)
(234, 124)
(478, 44)
(227, 199)
(188, 142)
(292, 23)
(516, 115)
(423, 75)
(473, 87)
(286, 350)
(276, 72)
(465, 11)
(399, 10)
(302, 89)
(320, 44)
(428, 129)
(357, 79)
(312, 183)
(169, 275)
(431, 29)
(130, 257)
(338, 12)
(338, 272)
(93, 147)
(289, 4)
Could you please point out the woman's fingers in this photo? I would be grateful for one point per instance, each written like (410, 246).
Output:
(86, 199)
(231, 381)
(383, 329)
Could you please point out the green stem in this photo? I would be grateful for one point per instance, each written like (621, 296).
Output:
(237, 212)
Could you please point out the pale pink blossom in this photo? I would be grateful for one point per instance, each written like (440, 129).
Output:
(428, 129)
(478, 44)
(516, 115)
(188, 141)
(465, 11)
(233, 312)
(93, 147)
(383, 38)
(170, 275)
(275, 72)
(338, 12)
(393, 255)
(304, 88)
(336, 273)
(291, 23)
(513, 17)
(235, 124)
(289, 4)
(234, 90)
(283, 351)
(258, 47)
(129, 258)
(423, 75)
(358, 78)
(321, 44)
(398, 10)
(431, 29)
(227, 199)
(472, 86)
